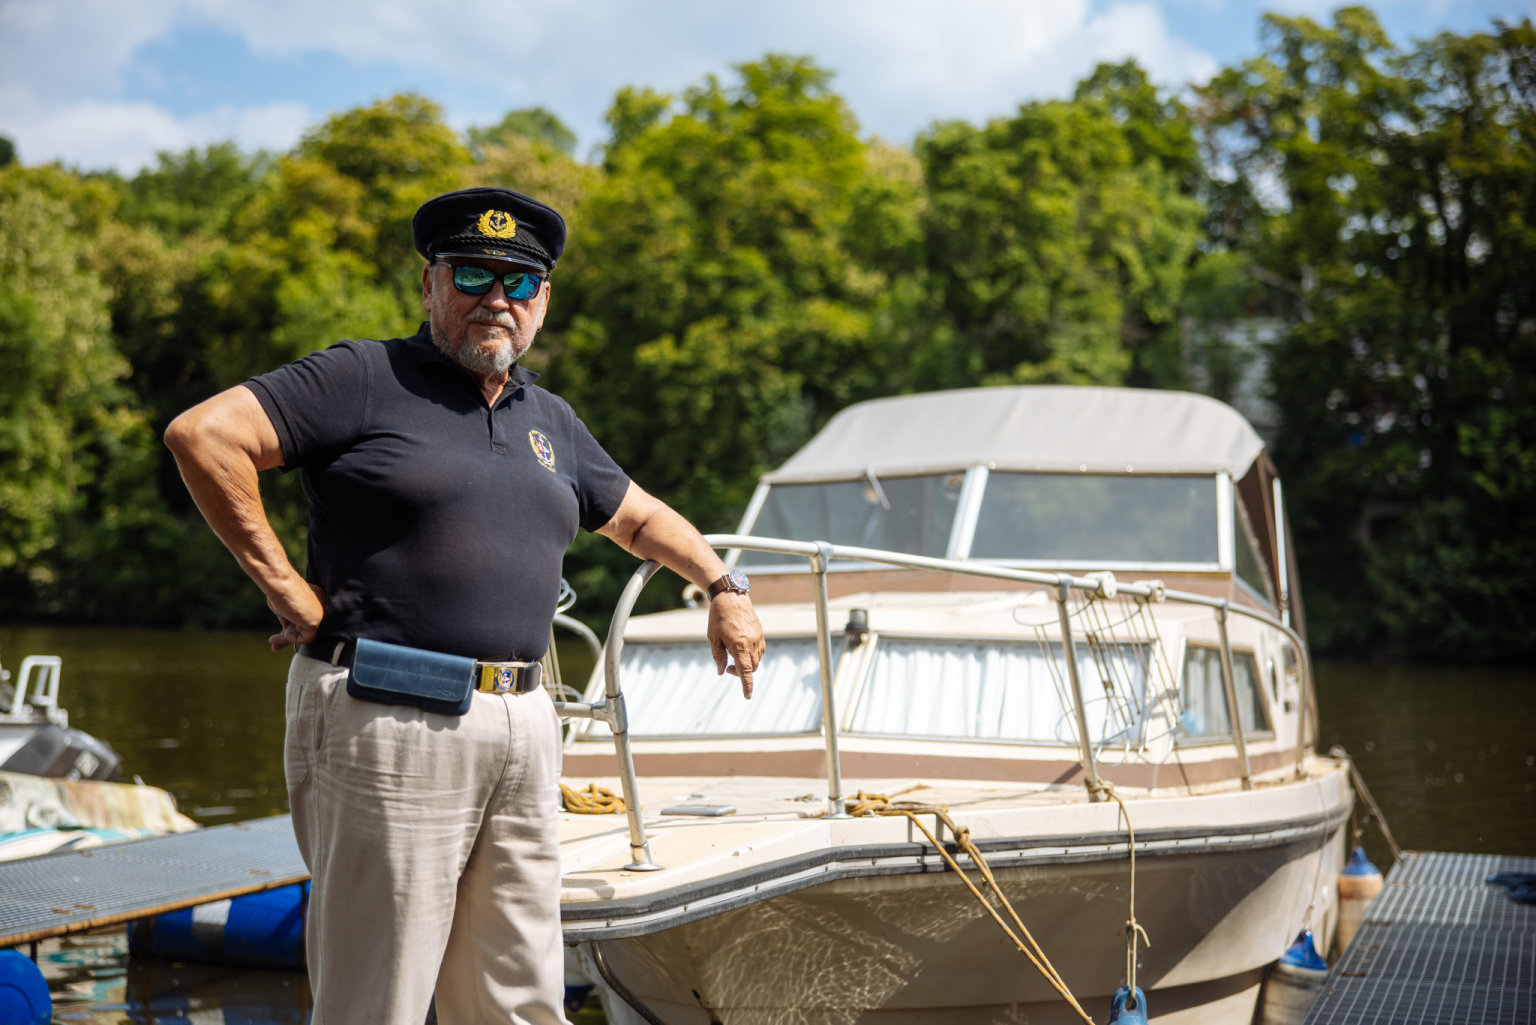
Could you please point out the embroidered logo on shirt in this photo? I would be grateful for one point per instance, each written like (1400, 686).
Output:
(542, 450)
(497, 224)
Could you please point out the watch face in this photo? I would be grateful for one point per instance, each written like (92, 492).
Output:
(739, 579)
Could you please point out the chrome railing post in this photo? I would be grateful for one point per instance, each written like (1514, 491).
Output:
(1308, 707)
(1229, 685)
(1069, 653)
(618, 720)
(819, 563)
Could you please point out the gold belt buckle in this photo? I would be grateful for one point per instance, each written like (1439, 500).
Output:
(498, 679)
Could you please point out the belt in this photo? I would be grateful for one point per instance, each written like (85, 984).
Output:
(490, 677)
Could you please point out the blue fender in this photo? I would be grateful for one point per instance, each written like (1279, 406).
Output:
(1127, 1008)
(24, 997)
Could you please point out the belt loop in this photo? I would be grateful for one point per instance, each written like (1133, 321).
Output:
(336, 655)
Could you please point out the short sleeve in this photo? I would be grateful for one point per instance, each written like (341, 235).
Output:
(602, 484)
(317, 404)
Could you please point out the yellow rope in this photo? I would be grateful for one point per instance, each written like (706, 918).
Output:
(879, 804)
(594, 800)
(1133, 929)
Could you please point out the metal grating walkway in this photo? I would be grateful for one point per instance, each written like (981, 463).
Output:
(1439, 946)
(58, 894)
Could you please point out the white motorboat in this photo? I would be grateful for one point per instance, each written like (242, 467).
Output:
(922, 566)
(58, 788)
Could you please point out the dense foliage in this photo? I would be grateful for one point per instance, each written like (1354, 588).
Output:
(743, 263)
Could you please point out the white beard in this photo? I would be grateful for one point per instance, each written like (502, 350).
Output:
(484, 362)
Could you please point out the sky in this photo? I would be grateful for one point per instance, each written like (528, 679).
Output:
(98, 84)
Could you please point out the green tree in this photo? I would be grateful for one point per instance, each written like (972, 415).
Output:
(1058, 239)
(532, 123)
(196, 192)
(729, 281)
(72, 447)
(1402, 187)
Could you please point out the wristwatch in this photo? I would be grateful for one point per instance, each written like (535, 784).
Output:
(735, 580)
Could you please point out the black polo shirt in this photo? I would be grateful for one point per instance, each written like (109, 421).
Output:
(434, 520)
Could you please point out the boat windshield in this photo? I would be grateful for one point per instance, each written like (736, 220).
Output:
(1086, 518)
(992, 690)
(912, 515)
(671, 689)
(1055, 518)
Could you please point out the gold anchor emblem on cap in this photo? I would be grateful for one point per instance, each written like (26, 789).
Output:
(497, 224)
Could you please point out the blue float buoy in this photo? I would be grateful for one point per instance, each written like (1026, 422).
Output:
(260, 929)
(1128, 1007)
(24, 997)
(1295, 982)
(1359, 884)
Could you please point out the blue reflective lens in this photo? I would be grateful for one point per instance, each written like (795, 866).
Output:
(473, 280)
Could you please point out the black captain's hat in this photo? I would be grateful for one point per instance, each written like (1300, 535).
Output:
(489, 223)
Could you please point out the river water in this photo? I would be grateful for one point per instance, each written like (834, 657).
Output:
(1448, 752)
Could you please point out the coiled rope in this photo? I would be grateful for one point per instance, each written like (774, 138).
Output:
(594, 800)
(879, 804)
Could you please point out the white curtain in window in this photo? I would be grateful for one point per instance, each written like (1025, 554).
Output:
(986, 690)
(672, 690)
(1204, 695)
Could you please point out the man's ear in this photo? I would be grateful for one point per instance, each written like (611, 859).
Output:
(426, 288)
(545, 308)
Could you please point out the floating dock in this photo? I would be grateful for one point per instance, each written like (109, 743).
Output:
(1440, 945)
(59, 894)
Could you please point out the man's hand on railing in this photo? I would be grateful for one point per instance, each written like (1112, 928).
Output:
(735, 635)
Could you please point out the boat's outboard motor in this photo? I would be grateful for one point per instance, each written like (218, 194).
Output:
(60, 752)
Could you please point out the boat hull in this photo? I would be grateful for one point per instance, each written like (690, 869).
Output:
(916, 948)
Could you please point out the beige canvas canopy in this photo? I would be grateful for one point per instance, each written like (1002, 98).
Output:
(1040, 428)
(1057, 429)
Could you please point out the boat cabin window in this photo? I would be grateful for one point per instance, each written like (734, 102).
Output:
(1204, 699)
(1250, 564)
(913, 515)
(991, 690)
(1096, 518)
(671, 690)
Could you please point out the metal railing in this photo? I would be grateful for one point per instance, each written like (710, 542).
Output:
(36, 691)
(819, 556)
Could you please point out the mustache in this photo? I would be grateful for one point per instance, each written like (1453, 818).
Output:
(498, 318)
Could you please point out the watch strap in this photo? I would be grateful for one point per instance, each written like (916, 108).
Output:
(723, 584)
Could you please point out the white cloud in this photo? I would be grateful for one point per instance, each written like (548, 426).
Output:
(77, 49)
(127, 136)
(68, 71)
(901, 64)
(1140, 30)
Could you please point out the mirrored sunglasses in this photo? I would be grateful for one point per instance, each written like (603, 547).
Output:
(473, 280)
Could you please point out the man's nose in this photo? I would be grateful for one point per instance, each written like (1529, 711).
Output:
(497, 296)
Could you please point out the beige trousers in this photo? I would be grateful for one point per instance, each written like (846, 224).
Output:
(433, 847)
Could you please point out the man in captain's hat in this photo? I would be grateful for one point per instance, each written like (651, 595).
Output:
(444, 486)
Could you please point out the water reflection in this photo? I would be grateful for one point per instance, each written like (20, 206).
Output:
(1448, 752)
(93, 980)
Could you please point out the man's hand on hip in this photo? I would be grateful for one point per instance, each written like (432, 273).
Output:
(299, 610)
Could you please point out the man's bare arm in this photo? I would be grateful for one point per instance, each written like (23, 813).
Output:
(220, 445)
(648, 528)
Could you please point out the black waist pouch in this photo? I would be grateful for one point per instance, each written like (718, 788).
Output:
(392, 674)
